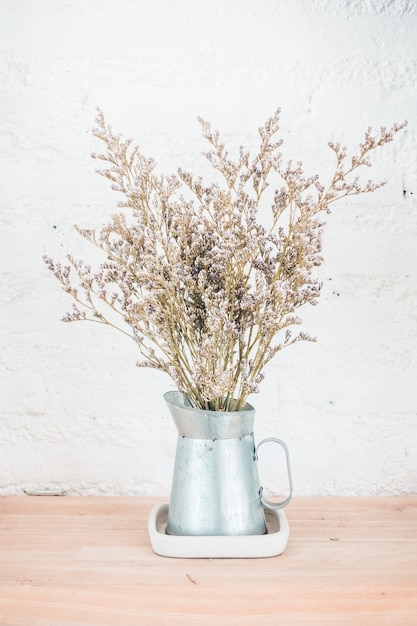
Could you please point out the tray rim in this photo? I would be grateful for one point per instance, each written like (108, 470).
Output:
(219, 546)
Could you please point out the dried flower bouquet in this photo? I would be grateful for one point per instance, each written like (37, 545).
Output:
(208, 293)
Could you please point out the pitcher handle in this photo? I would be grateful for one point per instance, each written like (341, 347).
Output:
(267, 503)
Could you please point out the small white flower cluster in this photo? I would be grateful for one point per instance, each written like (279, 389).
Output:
(207, 293)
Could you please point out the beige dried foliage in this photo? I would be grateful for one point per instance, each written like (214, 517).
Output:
(206, 291)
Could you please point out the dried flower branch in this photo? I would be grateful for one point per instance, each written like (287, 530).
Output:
(208, 294)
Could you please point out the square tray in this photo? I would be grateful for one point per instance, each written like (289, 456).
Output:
(272, 543)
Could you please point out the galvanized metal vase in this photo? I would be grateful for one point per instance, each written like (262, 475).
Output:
(215, 486)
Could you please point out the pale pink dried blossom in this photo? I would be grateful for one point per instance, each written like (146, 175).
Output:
(207, 292)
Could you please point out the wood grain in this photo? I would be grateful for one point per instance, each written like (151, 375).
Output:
(78, 561)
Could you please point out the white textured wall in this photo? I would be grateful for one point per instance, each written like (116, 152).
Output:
(75, 412)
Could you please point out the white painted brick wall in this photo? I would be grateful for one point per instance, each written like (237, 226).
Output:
(75, 412)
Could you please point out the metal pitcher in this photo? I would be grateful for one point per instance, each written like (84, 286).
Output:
(215, 486)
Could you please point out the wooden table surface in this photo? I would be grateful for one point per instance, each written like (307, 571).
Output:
(78, 561)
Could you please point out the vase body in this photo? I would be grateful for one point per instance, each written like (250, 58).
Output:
(215, 486)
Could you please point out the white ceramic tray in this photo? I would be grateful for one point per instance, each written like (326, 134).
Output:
(272, 543)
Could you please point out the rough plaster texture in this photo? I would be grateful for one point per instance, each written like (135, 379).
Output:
(75, 413)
